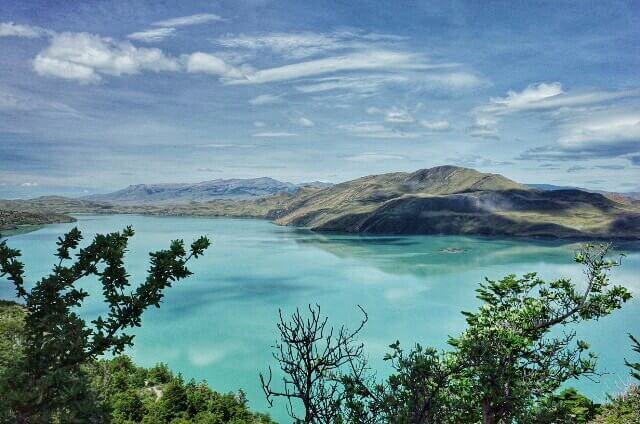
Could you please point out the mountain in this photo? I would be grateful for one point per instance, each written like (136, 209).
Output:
(440, 200)
(454, 200)
(13, 220)
(142, 194)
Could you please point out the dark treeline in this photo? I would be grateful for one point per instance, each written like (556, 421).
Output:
(509, 365)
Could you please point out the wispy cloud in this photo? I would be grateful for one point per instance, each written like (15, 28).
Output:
(265, 99)
(10, 29)
(368, 157)
(305, 44)
(484, 127)
(274, 134)
(360, 84)
(198, 19)
(376, 130)
(397, 115)
(152, 35)
(476, 161)
(361, 61)
(548, 96)
(441, 125)
(17, 100)
(86, 57)
(602, 134)
(545, 98)
(304, 122)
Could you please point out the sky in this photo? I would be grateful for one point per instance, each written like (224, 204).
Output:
(98, 95)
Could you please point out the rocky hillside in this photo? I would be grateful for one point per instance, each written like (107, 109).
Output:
(12, 220)
(453, 200)
(441, 200)
(141, 194)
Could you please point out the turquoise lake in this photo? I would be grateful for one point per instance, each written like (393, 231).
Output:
(219, 324)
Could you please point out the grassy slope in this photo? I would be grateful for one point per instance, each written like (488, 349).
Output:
(12, 219)
(441, 200)
(452, 200)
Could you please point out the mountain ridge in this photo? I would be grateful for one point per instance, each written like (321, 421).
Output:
(233, 188)
(440, 200)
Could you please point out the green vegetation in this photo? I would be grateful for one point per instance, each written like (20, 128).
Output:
(516, 353)
(46, 380)
(634, 366)
(621, 409)
(123, 393)
(13, 220)
(508, 366)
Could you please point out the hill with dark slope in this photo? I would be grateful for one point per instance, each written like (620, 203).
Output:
(13, 220)
(441, 200)
(453, 200)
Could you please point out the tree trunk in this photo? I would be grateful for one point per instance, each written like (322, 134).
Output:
(488, 416)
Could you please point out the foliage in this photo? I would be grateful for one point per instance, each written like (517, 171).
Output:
(125, 393)
(314, 359)
(47, 382)
(567, 407)
(635, 366)
(516, 352)
(621, 409)
(422, 389)
(509, 355)
(129, 393)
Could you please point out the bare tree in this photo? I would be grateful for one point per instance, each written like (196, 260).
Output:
(314, 358)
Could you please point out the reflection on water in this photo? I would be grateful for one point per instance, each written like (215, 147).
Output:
(218, 325)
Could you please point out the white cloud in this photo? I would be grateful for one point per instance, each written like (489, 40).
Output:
(359, 84)
(548, 96)
(17, 100)
(305, 44)
(265, 99)
(454, 80)
(304, 122)
(274, 134)
(152, 35)
(376, 130)
(292, 45)
(259, 124)
(436, 125)
(10, 29)
(484, 127)
(362, 61)
(198, 19)
(600, 133)
(398, 116)
(210, 64)
(29, 184)
(368, 157)
(603, 134)
(86, 57)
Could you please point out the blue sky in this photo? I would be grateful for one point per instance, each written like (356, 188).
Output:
(98, 95)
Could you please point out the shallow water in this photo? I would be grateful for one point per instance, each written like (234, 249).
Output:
(219, 324)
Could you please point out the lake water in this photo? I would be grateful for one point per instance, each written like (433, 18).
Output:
(219, 324)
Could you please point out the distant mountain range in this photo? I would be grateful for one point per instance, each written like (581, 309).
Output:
(143, 194)
(440, 200)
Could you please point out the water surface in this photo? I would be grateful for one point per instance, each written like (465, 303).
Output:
(219, 324)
